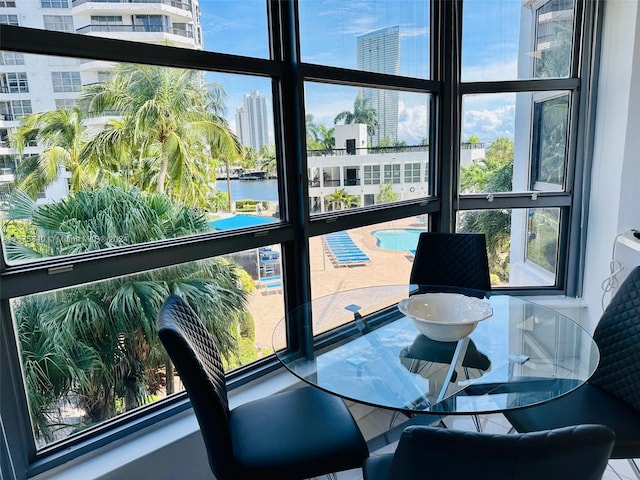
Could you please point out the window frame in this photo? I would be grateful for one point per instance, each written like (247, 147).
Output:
(288, 75)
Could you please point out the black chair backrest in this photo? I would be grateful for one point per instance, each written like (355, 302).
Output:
(452, 262)
(197, 359)
(618, 337)
(571, 452)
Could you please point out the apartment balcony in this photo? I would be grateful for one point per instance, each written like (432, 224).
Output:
(153, 34)
(171, 7)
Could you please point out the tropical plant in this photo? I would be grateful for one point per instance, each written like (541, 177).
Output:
(319, 137)
(493, 174)
(362, 113)
(97, 343)
(63, 137)
(268, 160)
(386, 194)
(165, 121)
(340, 199)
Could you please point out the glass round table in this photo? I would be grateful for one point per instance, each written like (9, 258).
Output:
(365, 350)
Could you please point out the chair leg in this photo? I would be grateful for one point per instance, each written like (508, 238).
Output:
(634, 467)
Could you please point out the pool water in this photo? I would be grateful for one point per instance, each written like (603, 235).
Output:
(399, 239)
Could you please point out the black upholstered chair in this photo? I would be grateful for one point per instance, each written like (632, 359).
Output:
(296, 434)
(612, 396)
(426, 452)
(452, 262)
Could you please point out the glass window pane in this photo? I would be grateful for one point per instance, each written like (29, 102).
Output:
(173, 166)
(360, 141)
(378, 254)
(91, 353)
(225, 26)
(526, 39)
(377, 36)
(514, 142)
(522, 243)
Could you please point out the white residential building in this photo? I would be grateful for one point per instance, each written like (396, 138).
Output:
(33, 83)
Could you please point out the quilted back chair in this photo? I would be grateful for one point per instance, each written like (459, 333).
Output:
(197, 359)
(612, 396)
(452, 262)
(291, 435)
(618, 338)
(571, 452)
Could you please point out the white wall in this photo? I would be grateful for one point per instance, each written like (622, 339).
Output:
(615, 193)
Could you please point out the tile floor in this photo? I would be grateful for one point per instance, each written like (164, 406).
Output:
(374, 422)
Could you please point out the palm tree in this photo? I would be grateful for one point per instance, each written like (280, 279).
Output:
(493, 174)
(386, 194)
(166, 119)
(362, 113)
(268, 159)
(63, 137)
(340, 199)
(105, 345)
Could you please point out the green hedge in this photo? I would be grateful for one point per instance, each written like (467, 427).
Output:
(249, 205)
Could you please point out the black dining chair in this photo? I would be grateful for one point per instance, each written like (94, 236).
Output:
(579, 452)
(291, 435)
(612, 395)
(452, 262)
(449, 263)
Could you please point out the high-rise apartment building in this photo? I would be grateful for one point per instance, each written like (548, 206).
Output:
(379, 51)
(251, 120)
(33, 83)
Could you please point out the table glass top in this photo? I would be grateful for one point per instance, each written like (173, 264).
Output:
(524, 354)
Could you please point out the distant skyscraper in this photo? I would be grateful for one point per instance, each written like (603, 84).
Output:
(251, 120)
(379, 51)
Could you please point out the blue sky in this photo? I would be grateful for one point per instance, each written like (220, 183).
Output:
(329, 29)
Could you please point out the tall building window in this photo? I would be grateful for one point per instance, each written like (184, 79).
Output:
(54, 3)
(151, 23)
(60, 23)
(412, 173)
(9, 20)
(371, 174)
(21, 107)
(66, 102)
(11, 58)
(66, 81)
(392, 173)
(106, 23)
(14, 82)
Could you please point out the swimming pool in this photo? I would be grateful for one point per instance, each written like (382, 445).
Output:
(240, 221)
(399, 239)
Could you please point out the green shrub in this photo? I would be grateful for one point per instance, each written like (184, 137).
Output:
(249, 205)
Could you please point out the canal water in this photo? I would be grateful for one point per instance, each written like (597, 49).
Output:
(251, 189)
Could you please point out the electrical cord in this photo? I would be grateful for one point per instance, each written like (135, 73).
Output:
(615, 267)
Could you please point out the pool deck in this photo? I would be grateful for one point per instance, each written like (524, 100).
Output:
(387, 267)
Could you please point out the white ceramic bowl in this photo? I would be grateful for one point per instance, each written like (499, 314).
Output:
(445, 317)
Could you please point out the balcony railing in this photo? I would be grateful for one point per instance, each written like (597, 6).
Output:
(172, 3)
(335, 152)
(135, 29)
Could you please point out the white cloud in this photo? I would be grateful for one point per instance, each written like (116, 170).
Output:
(479, 72)
(488, 124)
(412, 123)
